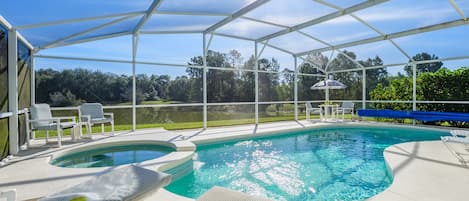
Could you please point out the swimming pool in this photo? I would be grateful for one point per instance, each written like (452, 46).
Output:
(112, 155)
(344, 163)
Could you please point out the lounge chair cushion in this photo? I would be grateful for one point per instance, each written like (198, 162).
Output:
(52, 126)
(222, 194)
(127, 183)
(101, 120)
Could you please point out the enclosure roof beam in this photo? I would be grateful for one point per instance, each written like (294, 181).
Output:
(314, 65)
(52, 44)
(173, 32)
(102, 37)
(262, 50)
(458, 9)
(328, 17)
(409, 32)
(366, 24)
(85, 19)
(299, 31)
(233, 36)
(383, 34)
(264, 22)
(402, 64)
(147, 15)
(191, 13)
(69, 21)
(251, 39)
(330, 45)
(277, 48)
(236, 15)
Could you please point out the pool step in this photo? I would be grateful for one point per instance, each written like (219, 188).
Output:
(181, 170)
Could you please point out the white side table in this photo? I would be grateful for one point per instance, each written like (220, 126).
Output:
(330, 111)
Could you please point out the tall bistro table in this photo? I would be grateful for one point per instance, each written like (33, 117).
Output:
(330, 112)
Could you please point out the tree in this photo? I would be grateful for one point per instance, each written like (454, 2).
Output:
(351, 79)
(234, 58)
(65, 98)
(180, 89)
(268, 81)
(313, 62)
(427, 67)
(375, 75)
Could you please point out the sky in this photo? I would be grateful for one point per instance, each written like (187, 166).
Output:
(390, 17)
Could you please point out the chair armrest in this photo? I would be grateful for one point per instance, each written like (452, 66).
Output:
(109, 114)
(73, 118)
(38, 120)
(87, 117)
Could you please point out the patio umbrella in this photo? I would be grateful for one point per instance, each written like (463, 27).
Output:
(328, 84)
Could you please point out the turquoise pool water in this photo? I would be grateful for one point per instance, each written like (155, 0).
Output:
(321, 164)
(111, 156)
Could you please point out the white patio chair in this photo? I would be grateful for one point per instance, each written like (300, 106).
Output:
(41, 119)
(458, 136)
(312, 110)
(459, 133)
(9, 195)
(92, 114)
(461, 153)
(347, 107)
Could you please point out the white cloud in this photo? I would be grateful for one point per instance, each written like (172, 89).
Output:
(248, 28)
(346, 37)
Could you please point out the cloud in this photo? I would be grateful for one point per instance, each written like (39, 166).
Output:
(248, 28)
(347, 37)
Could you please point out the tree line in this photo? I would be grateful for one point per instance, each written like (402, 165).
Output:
(75, 86)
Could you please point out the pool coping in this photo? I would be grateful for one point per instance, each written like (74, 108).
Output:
(425, 170)
(185, 151)
(389, 194)
(389, 163)
(35, 177)
(164, 162)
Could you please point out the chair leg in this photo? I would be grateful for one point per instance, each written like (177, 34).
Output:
(28, 136)
(112, 127)
(73, 133)
(76, 133)
(59, 137)
(79, 125)
(88, 129)
(47, 137)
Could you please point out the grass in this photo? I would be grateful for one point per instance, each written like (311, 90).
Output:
(156, 102)
(184, 125)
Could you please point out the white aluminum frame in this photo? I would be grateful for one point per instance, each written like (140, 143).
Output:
(13, 90)
(229, 17)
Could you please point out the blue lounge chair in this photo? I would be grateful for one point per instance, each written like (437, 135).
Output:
(395, 114)
(417, 115)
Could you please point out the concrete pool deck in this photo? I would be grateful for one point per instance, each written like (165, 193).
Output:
(422, 170)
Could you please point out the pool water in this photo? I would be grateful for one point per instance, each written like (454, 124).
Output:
(111, 156)
(320, 164)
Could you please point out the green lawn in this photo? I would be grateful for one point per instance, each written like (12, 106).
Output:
(185, 125)
(156, 102)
